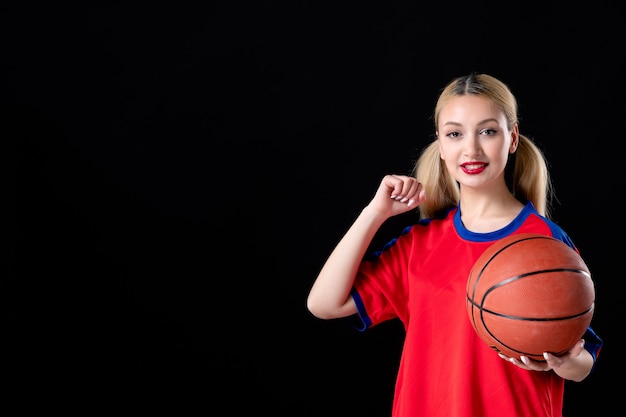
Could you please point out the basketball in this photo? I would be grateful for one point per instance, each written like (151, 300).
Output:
(528, 294)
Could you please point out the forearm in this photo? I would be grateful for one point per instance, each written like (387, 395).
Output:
(329, 295)
(576, 368)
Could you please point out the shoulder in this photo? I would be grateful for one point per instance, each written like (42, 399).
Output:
(421, 231)
(533, 220)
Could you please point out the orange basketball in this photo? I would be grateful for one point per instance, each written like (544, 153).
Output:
(528, 294)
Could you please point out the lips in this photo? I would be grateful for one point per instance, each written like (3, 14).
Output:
(473, 167)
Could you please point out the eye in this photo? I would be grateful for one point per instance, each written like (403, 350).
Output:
(453, 134)
(488, 132)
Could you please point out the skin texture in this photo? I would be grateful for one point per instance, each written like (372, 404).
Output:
(474, 143)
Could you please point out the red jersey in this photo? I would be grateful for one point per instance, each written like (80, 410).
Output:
(446, 370)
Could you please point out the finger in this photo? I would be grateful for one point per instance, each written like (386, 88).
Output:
(577, 348)
(535, 365)
(395, 185)
(403, 188)
(513, 361)
(409, 194)
(420, 196)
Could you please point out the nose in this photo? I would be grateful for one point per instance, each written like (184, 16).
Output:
(471, 144)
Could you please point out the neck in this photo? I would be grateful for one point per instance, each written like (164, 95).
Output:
(488, 213)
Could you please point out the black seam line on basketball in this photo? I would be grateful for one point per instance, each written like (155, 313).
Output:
(507, 316)
(528, 274)
(541, 271)
(515, 278)
(538, 355)
(496, 254)
(491, 259)
(509, 280)
(482, 310)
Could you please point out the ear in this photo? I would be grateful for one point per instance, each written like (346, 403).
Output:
(514, 139)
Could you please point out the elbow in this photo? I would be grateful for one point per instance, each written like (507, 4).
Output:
(318, 308)
(315, 308)
(576, 378)
(580, 377)
(324, 309)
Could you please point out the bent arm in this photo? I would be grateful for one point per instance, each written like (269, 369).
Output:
(329, 296)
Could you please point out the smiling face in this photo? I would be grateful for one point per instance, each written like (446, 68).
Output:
(475, 141)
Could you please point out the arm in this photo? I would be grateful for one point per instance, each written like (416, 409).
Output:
(329, 296)
(574, 365)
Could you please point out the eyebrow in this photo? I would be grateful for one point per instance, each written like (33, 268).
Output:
(482, 122)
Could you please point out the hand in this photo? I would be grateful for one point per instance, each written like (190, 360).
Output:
(397, 194)
(552, 362)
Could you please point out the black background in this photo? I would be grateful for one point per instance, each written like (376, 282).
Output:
(178, 174)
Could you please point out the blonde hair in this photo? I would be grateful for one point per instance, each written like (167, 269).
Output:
(527, 174)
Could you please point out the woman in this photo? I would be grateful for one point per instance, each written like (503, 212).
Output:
(479, 181)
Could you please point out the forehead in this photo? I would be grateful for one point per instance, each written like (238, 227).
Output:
(470, 109)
